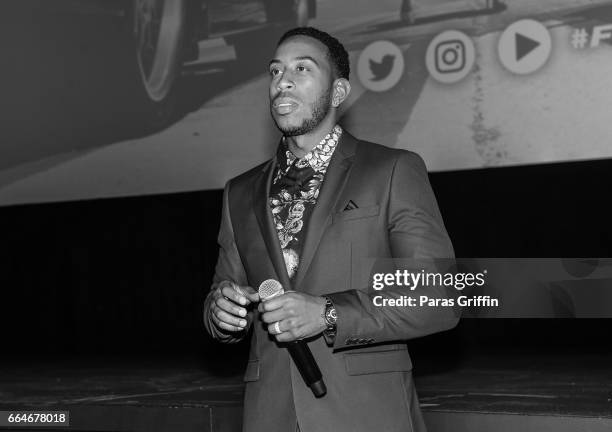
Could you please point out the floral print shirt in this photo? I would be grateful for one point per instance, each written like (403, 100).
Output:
(291, 209)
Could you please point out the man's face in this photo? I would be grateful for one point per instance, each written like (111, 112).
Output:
(300, 85)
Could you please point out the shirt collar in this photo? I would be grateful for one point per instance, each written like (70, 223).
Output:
(318, 158)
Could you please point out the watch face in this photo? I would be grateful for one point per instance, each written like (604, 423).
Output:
(331, 315)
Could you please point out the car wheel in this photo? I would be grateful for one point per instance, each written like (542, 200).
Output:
(156, 29)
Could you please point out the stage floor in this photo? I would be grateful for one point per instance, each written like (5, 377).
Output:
(572, 386)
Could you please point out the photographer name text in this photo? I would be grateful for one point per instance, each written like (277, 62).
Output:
(423, 300)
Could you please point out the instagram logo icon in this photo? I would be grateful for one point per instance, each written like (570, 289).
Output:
(450, 56)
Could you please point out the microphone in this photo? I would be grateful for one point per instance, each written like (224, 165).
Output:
(299, 351)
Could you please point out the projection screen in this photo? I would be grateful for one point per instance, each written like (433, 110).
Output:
(104, 101)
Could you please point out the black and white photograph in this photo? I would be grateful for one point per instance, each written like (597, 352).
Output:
(306, 215)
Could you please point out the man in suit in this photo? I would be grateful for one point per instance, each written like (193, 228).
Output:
(311, 217)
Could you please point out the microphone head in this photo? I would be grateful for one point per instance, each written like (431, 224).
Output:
(270, 288)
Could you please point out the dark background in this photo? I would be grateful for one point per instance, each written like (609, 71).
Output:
(126, 277)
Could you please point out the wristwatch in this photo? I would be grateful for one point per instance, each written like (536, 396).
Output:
(330, 316)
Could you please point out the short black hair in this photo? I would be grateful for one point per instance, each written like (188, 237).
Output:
(336, 52)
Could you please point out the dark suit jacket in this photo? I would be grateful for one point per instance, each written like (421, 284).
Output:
(368, 369)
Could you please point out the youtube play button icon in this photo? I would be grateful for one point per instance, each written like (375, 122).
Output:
(524, 47)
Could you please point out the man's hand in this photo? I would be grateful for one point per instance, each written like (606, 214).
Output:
(228, 308)
(299, 316)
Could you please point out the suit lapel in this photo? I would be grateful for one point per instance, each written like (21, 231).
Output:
(261, 192)
(333, 184)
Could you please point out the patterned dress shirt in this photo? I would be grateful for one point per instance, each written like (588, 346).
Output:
(294, 193)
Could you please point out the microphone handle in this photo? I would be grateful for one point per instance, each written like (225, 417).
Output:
(306, 364)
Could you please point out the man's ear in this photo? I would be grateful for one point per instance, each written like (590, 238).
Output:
(342, 88)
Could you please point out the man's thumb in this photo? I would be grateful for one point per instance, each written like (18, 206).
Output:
(250, 293)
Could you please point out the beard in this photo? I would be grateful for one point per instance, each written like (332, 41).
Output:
(319, 110)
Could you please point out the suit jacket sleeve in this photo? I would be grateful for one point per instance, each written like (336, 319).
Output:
(416, 231)
(229, 268)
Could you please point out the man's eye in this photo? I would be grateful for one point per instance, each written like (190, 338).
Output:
(301, 68)
(274, 72)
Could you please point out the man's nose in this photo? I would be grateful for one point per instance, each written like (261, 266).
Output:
(285, 82)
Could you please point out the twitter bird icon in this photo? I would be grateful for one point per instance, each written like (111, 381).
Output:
(380, 66)
(381, 70)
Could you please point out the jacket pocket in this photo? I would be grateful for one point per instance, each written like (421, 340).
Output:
(362, 363)
(358, 213)
(252, 371)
